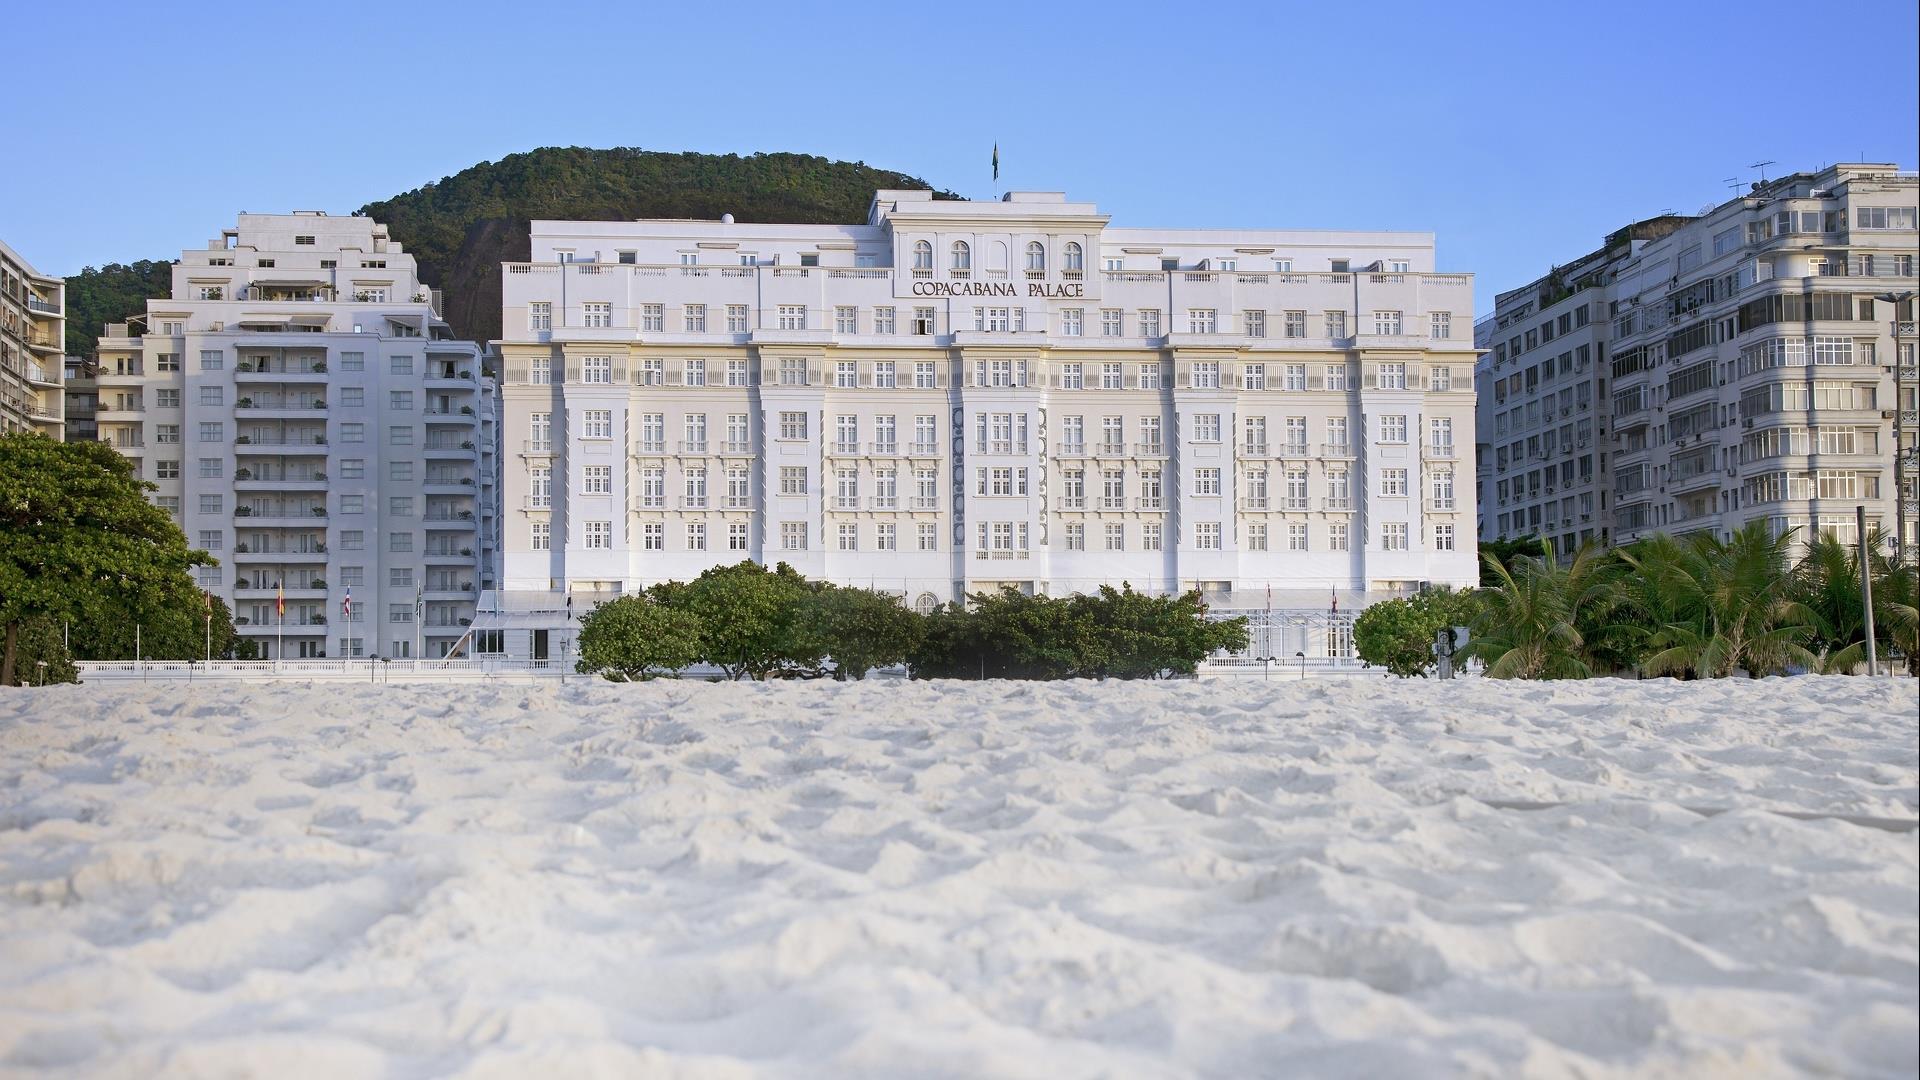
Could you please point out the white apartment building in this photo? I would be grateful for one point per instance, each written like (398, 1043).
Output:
(1749, 369)
(33, 333)
(310, 421)
(958, 395)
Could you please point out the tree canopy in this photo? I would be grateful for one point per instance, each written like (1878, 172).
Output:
(79, 541)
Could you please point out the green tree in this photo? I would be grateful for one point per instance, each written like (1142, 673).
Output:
(637, 637)
(42, 658)
(748, 618)
(860, 629)
(172, 622)
(1115, 633)
(1827, 584)
(1504, 552)
(77, 534)
(1733, 606)
(1398, 634)
(109, 294)
(1528, 624)
(1149, 637)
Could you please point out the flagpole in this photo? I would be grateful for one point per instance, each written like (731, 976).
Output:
(419, 612)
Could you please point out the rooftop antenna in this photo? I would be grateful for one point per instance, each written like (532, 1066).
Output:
(1733, 184)
(1762, 166)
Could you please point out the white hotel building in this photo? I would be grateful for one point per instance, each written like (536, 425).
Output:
(310, 421)
(956, 396)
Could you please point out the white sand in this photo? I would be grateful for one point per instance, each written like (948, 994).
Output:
(1223, 879)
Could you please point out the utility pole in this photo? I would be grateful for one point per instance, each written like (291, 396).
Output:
(1866, 587)
(1898, 299)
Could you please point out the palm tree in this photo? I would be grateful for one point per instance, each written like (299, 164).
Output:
(1529, 622)
(1735, 606)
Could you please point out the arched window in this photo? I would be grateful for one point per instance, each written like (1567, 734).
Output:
(922, 255)
(1075, 261)
(1036, 256)
(962, 255)
(925, 604)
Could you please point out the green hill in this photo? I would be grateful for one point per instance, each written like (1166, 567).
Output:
(461, 228)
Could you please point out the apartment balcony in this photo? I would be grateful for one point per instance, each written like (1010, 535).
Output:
(1697, 482)
(284, 518)
(249, 480)
(1110, 450)
(737, 447)
(1337, 504)
(281, 444)
(40, 376)
(268, 591)
(442, 451)
(924, 450)
(248, 410)
(884, 502)
(447, 485)
(1295, 503)
(884, 449)
(1073, 502)
(693, 502)
(1254, 503)
(126, 444)
(44, 307)
(1070, 450)
(1254, 451)
(1440, 506)
(292, 374)
(736, 502)
(846, 502)
(650, 446)
(314, 627)
(442, 593)
(1336, 450)
(1150, 504)
(639, 502)
(463, 416)
(462, 381)
(693, 446)
(446, 556)
(459, 522)
(1113, 502)
(1149, 449)
(1437, 452)
(924, 503)
(245, 553)
(845, 449)
(122, 413)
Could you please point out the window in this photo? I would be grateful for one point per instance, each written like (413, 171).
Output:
(1293, 324)
(962, 258)
(399, 400)
(540, 315)
(213, 431)
(1442, 325)
(1115, 536)
(653, 487)
(1150, 536)
(793, 535)
(736, 373)
(540, 371)
(696, 536)
(540, 535)
(210, 539)
(1113, 322)
(1036, 258)
(169, 399)
(167, 361)
(736, 318)
(353, 504)
(353, 539)
(693, 318)
(1393, 482)
(846, 374)
(924, 375)
(1206, 427)
(166, 470)
(1883, 217)
(793, 479)
(1255, 322)
(1202, 320)
(400, 365)
(1206, 376)
(596, 369)
(1070, 321)
(653, 536)
(596, 423)
(597, 480)
(737, 536)
(883, 320)
(400, 541)
(1206, 536)
(1257, 536)
(1293, 377)
(1393, 429)
(166, 433)
(1150, 322)
(792, 316)
(1392, 376)
(1386, 322)
(1150, 376)
(929, 537)
(848, 536)
(1443, 538)
(846, 320)
(793, 425)
(1297, 536)
(1337, 536)
(1441, 378)
(399, 613)
(1336, 323)
(599, 535)
(1206, 481)
(1393, 536)
(1109, 376)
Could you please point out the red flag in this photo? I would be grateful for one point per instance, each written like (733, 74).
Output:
(208, 597)
(346, 603)
(280, 600)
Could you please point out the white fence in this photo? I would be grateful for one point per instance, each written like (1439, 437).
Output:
(318, 670)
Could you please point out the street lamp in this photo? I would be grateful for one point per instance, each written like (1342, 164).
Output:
(1897, 299)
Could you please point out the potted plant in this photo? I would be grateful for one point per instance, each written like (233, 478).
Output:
(244, 403)
(319, 511)
(466, 515)
(241, 549)
(319, 440)
(320, 476)
(466, 410)
(318, 620)
(320, 403)
(243, 439)
(243, 511)
(320, 367)
(464, 621)
(466, 586)
(467, 480)
(241, 583)
(243, 474)
(467, 445)
(466, 552)
(321, 548)
(241, 620)
(319, 583)
(245, 366)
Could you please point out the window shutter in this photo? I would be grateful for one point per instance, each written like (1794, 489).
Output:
(573, 373)
(1182, 377)
(1316, 382)
(1230, 380)
(814, 373)
(673, 376)
(1368, 378)
(1129, 378)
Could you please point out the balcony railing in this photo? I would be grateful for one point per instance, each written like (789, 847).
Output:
(924, 502)
(1336, 449)
(925, 449)
(531, 446)
(1071, 450)
(1440, 451)
(884, 449)
(1293, 502)
(1336, 503)
(1254, 502)
(693, 446)
(1148, 503)
(1150, 449)
(1073, 502)
(650, 446)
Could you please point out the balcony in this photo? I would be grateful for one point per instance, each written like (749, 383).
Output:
(1336, 450)
(462, 521)
(314, 373)
(531, 446)
(1438, 452)
(846, 502)
(285, 517)
(924, 450)
(923, 502)
(1440, 506)
(283, 445)
(1113, 502)
(1294, 503)
(1293, 450)
(1073, 502)
(846, 448)
(1070, 450)
(884, 502)
(884, 449)
(1336, 504)
(736, 446)
(1151, 504)
(1149, 449)
(243, 553)
(650, 446)
(277, 408)
(251, 480)
(441, 556)
(449, 485)
(1110, 450)
(1253, 451)
(45, 307)
(39, 376)
(693, 446)
(1254, 503)
(463, 415)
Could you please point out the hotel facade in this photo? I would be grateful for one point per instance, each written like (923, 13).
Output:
(1698, 373)
(959, 395)
(308, 419)
(32, 340)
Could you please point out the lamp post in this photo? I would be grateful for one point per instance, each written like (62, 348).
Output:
(1303, 664)
(1899, 432)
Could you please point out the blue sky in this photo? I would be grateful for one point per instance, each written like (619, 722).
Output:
(1519, 134)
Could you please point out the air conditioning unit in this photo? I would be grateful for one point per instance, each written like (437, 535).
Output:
(1886, 415)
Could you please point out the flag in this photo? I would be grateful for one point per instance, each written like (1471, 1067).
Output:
(346, 604)
(1335, 609)
(996, 160)
(419, 603)
(208, 597)
(280, 599)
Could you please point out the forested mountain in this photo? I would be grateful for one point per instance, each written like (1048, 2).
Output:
(463, 227)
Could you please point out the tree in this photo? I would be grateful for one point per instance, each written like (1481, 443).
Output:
(172, 623)
(1150, 637)
(1528, 624)
(748, 618)
(1732, 603)
(1827, 584)
(860, 629)
(1504, 552)
(1399, 634)
(40, 644)
(637, 637)
(77, 532)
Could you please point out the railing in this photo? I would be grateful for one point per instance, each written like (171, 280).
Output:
(1253, 450)
(693, 446)
(1440, 452)
(736, 446)
(1073, 502)
(650, 446)
(1294, 450)
(362, 669)
(531, 446)
(1113, 502)
(1336, 503)
(885, 449)
(1293, 502)
(1253, 502)
(928, 449)
(1148, 503)
(1071, 450)
(846, 447)
(922, 502)
(885, 502)
(1150, 449)
(34, 303)
(1336, 450)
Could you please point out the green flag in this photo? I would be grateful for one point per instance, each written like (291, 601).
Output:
(996, 160)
